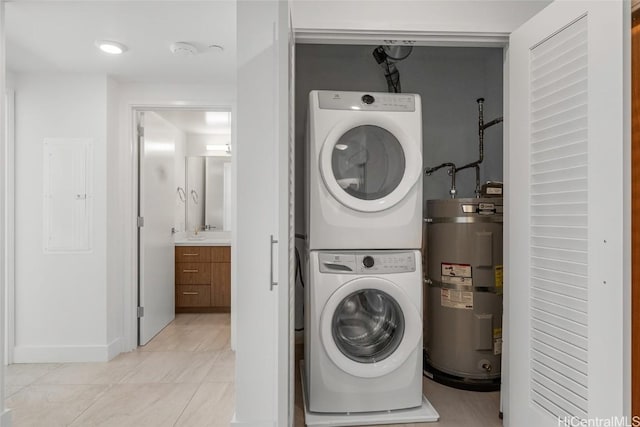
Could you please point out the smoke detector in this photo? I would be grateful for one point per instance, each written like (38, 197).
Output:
(183, 49)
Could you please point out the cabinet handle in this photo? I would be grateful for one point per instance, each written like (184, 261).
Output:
(272, 282)
(190, 293)
(189, 271)
(190, 254)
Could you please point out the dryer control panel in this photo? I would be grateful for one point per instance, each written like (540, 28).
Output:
(366, 101)
(387, 262)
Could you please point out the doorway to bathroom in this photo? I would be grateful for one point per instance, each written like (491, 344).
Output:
(184, 211)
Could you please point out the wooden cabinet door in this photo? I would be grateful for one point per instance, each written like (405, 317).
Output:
(221, 284)
(220, 254)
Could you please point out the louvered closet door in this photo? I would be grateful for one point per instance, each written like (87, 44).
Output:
(566, 272)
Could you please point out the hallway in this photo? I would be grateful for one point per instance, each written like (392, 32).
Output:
(183, 377)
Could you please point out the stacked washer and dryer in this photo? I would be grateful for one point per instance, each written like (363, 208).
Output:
(363, 302)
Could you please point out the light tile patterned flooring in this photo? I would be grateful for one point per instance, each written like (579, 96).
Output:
(183, 377)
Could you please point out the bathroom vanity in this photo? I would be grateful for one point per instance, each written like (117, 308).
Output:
(203, 274)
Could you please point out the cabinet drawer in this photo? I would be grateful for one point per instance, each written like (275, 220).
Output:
(193, 295)
(193, 273)
(193, 254)
(220, 253)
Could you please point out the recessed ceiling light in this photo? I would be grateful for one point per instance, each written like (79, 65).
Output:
(111, 47)
(215, 48)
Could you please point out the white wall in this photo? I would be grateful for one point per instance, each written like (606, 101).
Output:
(115, 225)
(401, 15)
(449, 81)
(61, 310)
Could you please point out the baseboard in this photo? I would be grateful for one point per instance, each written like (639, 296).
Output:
(63, 354)
(203, 310)
(5, 418)
(115, 347)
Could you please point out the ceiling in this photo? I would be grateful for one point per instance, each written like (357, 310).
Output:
(59, 36)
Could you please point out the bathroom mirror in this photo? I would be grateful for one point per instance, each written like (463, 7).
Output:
(208, 193)
(202, 150)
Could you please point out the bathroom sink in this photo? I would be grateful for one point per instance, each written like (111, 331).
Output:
(196, 238)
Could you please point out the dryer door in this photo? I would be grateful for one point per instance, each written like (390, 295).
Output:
(371, 164)
(369, 327)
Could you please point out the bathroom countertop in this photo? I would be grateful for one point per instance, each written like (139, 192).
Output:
(203, 238)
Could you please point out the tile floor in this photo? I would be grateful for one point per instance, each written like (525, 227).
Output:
(183, 377)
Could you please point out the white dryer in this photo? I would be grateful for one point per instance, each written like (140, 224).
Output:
(364, 170)
(363, 323)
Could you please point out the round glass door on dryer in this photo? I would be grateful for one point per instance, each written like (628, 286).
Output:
(368, 175)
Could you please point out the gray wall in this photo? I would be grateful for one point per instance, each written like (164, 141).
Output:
(449, 81)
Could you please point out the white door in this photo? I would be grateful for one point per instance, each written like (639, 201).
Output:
(263, 237)
(568, 123)
(156, 207)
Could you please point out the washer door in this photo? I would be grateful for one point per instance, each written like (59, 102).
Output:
(369, 165)
(369, 327)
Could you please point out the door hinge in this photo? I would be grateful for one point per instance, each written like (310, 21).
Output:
(140, 312)
(140, 222)
(141, 131)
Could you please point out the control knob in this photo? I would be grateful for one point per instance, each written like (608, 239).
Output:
(368, 261)
(368, 99)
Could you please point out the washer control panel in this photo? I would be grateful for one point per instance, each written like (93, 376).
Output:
(385, 262)
(366, 101)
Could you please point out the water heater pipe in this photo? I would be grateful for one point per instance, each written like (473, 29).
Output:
(482, 126)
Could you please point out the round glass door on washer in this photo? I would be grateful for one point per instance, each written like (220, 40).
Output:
(363, 344)
(364, 170)
(368, 326)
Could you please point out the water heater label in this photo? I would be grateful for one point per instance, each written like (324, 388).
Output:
(497, 341)
(456, 274)
(499, 275)
(456, 299)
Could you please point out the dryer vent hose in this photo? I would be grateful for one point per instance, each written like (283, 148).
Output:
(386, 57)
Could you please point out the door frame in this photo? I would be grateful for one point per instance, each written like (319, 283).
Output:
(131, 295)
(635, 218)
(9, 224)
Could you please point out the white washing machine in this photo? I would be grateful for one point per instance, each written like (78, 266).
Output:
(363, 325)
(364, 170)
